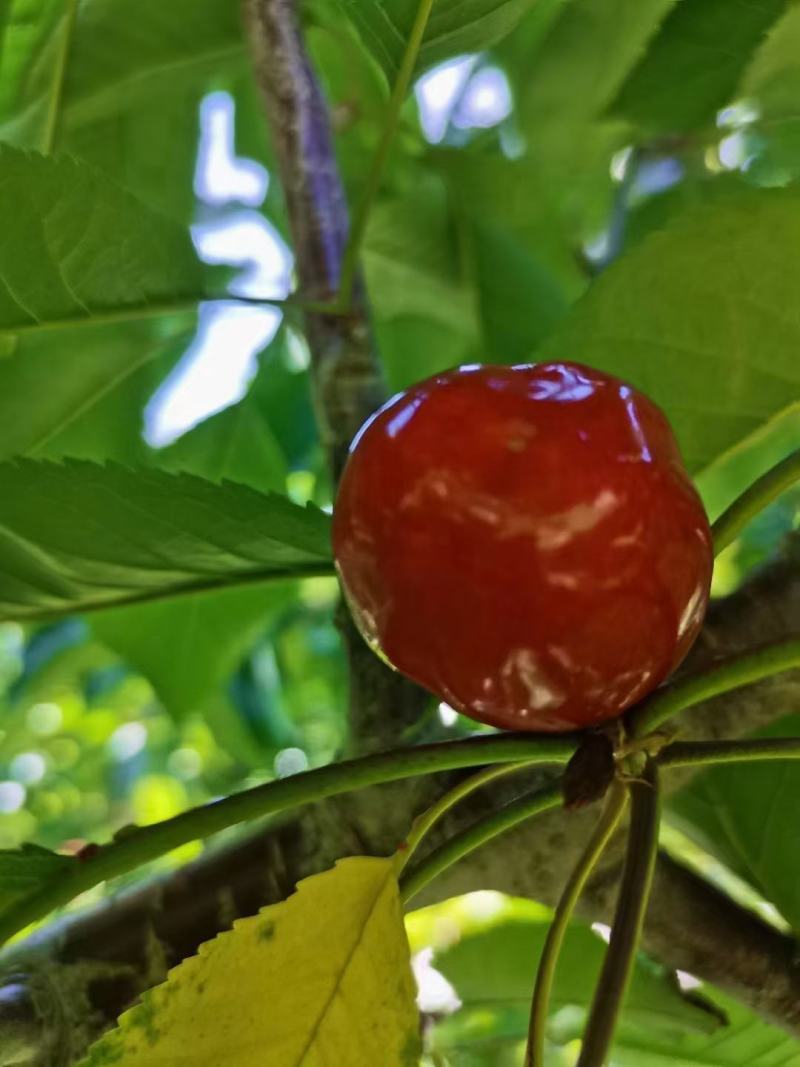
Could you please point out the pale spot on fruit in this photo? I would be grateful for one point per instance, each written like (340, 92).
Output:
(522, 666)
(629, 540)
(561, 656)
(485, 513)
(518, 434)
(555, 532)
(563, 580)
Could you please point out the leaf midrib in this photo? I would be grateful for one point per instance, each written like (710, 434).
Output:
(311, 569)
(323, 1013)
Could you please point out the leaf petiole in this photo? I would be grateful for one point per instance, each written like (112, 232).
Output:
(637, 879)
(699, 753)
(147, 843)
(425, 823)
(608, 822)
(375, 175)
(455, 848)
(730, 674)
(754, 499)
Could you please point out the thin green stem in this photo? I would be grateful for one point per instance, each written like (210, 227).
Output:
(53, 117)
(603, 832)
(697, 753)
(476, 835)
(375, 176)
(425, 823)
(637, 880)
(731, 674)
(148, 843)
(754, 499)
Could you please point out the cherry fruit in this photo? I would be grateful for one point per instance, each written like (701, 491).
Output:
(525, 542)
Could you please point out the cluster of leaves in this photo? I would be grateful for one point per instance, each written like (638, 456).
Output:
(652, 134)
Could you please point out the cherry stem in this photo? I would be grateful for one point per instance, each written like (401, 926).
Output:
(637, 879)
(425, 823)
(608, 822)
(678, 754)
(455, 848)
(758, 496)
(697, 753)
(147, 843)
(375, 175)
(732, 673)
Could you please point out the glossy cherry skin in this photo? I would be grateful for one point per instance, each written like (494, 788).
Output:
(524, 542)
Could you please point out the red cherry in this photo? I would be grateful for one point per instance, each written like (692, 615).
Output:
(524, 542)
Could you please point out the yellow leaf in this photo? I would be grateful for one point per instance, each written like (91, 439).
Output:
(322, 979)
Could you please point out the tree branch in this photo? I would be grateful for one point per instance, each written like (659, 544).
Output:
(758, 966)
(346, 376)
(347, 380)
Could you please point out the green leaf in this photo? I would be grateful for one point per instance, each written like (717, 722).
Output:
(585, 57)
(773, 77)
(562, 92)
(772, 83)
(82, 390)
(745, 815)
(322, 977)
(411, 259)
(492, 968)
(702, 316)
(721, 483)
(281, 392)
(77, 537)
(694, 65)
(454, 27)
(24, 871)
(167, 48)
(413, 347)
(76, 247)
(30, 44)
(131, 87)
(236, 444)
(458, 273)
(746, 1039)
(424, 305)
(209, 632)
(512, 250)
(186, 647)
(134, 86)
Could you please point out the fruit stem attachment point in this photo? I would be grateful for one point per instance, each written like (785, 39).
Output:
(637, 879)
(758, 496)
(616, 801)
